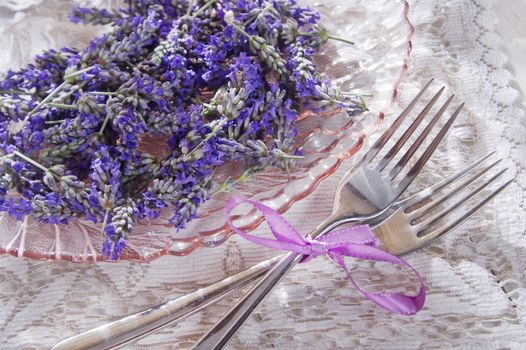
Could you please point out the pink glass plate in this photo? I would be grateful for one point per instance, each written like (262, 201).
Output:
(376, 64)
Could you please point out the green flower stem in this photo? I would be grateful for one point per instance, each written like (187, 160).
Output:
(104, 123)
(15, 92)
(47, 99)
(7, 156)
(77, 73)
(241, 30)
(336, 102)
(54, 121)
(333, 37)
(347, 93)
(290, 156)
(214, 131)
(61, 106)
(343, 40)
(225, 186)
(263, 11)
(131, 65)
(31, 161)
(103, 93)
(228, 183)
(199, 100)
(105, 220)
(190, 6)
(205, 6)
(67, 79)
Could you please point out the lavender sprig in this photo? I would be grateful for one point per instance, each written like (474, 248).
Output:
(122, 219)
(266, 52)
(218, 81)
(93, 16)
(72, 189)
(117, 232)
(51, 209)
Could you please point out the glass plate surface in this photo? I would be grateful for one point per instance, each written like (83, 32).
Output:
(375, 64)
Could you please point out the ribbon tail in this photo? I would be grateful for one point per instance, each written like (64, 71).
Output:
(395, 302)
(398, 302)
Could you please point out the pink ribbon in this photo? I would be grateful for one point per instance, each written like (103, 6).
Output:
(357, 242)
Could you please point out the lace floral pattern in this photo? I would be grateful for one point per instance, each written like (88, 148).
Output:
(475, 275)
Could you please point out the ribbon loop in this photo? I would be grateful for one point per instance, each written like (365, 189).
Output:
(356, 242)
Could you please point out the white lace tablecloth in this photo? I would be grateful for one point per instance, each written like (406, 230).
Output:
(475, 275)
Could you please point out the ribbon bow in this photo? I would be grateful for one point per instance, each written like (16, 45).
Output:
(357, 242)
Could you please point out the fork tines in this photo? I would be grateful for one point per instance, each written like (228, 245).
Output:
(406, 157)
(435, 207)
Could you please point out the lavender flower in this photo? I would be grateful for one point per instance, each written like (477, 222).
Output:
(303, 71)
(267, 53)
(93, 16)
(133, 100)
(175, 41)
(15, 107)
(18, 208)
(134, 38)
(72, 129)
(65, 151)
(290, 31)
(122, 220)
(72, 189)
(229, 101)
(51, 209)
(220, 81)
(105, 175)
(193, 196)
(173, 9)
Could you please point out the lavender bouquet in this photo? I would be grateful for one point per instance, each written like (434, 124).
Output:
(219, 81)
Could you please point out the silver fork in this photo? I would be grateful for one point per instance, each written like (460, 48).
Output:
(397, 230)
(363, 193)
(133, 327)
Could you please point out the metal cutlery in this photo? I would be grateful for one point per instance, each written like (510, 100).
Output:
(364, 192)
(133, 327)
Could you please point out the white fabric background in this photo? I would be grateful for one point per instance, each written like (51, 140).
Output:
(475, 275)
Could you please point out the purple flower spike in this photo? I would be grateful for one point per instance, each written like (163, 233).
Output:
(209, 85)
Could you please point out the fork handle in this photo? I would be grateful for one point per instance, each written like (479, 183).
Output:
(219, 335)
(122, 331)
